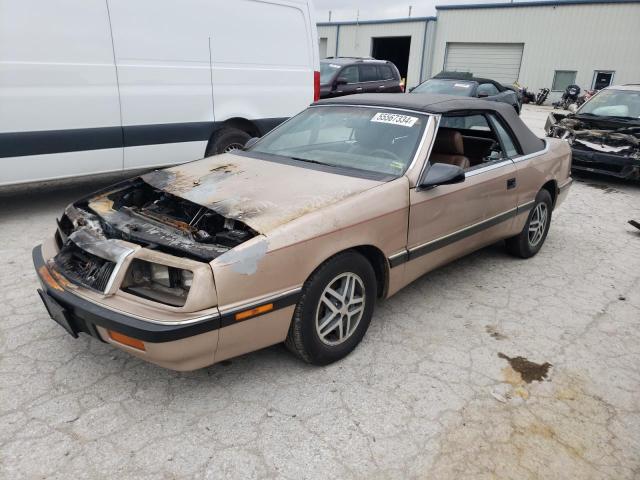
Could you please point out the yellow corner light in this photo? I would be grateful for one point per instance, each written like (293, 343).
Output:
(254, 311)
(126, 340)
(47, 278)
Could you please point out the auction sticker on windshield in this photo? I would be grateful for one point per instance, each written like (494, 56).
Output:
(395, 119)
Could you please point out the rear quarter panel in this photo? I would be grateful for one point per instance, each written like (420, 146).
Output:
(553, 164)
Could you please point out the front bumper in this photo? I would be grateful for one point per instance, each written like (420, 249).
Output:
(609, 164)
(175, 346)
(84, 315)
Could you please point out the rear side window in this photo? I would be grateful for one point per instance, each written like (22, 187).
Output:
(385, 72)
(350, 74)
(470, 122)
(487, 89)
(368, 73)
(510, 148)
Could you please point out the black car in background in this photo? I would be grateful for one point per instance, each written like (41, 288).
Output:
(349, 75)
(466, 85)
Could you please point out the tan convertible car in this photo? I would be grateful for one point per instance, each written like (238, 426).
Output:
(295, 238)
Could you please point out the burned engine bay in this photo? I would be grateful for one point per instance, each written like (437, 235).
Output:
(600, 135)
(137, 212)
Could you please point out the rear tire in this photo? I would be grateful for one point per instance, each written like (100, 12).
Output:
(334, 310)
(530, 240)
(226, 140)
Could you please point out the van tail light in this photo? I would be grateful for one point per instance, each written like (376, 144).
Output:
(316, 86)
(402, 85)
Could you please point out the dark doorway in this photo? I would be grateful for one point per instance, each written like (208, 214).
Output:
(394, 49)
(602, 79)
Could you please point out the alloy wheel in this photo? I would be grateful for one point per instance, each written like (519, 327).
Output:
(538, 224)
(340, 309)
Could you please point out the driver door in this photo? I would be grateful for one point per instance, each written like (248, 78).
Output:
(449, 221)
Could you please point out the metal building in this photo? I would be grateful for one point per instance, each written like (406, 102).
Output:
(592, 43)
(403, 41)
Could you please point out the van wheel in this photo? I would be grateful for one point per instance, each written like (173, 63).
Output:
(226, 140)
(529, 241)
(334, 311)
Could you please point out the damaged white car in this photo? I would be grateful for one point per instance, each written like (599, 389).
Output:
(604, 133)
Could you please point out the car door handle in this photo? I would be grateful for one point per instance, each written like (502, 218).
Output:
(359, 89)
(381, 87)
(511, 183)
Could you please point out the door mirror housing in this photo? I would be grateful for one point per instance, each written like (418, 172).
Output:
(441, 174)
(483, 94)
(250, 143)
(341, 81)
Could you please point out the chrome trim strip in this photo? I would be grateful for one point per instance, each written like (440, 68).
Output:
(534, 154)
(488, 168)
(433, 141)
(268, 299)
(421, 144)
(525, 207)
(462, 230)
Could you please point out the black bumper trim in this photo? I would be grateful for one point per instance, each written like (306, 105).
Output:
(93, 314)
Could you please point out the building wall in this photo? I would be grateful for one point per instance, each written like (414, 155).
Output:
(357, 40)
(329, 32)
(583, 38)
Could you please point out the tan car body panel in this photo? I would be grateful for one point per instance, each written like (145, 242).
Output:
(304, 217)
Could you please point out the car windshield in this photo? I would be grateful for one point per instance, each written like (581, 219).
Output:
(461, 88)
(377, 140)
(327, 71)
(613, 103)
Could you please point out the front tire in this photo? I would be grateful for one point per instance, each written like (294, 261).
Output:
(226, 140)
(530, 240)
(334, 311)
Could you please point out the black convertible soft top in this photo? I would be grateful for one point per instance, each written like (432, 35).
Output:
(445, 105)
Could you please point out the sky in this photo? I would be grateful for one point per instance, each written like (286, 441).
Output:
(377, 9)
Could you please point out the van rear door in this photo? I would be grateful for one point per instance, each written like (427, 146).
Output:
(59, 107)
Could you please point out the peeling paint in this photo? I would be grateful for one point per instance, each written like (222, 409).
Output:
(245, 259)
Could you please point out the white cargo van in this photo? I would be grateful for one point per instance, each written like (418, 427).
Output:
(92, 86)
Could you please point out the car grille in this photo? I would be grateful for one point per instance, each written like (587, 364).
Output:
(84, 268)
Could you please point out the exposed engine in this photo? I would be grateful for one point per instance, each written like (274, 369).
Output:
(582, 135)
(140, 213)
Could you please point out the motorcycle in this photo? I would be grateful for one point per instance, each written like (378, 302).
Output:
(570, 96)
(542, 95)
(525, 95)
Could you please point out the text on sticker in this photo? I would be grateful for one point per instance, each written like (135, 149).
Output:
(395, 119)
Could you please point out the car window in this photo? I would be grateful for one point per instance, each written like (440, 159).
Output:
(487, 89)
(368, 73)
(350, 74)
(375, 140)
(509, 145)
(480, 139)
(469, 122)
(327, 71)
(385, 72)
(461, 88)
(613, 103)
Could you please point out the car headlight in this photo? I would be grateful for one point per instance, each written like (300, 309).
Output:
(157, 282)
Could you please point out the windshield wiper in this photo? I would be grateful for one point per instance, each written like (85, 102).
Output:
(308, 160)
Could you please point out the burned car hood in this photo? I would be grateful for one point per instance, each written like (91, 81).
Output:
(259, 193)
(205, 208)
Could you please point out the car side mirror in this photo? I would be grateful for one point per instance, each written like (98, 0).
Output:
(341, 81)
(250, 143)
(441, 174)
(483, 95)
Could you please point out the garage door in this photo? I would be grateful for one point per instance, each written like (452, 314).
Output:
(498, 61)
